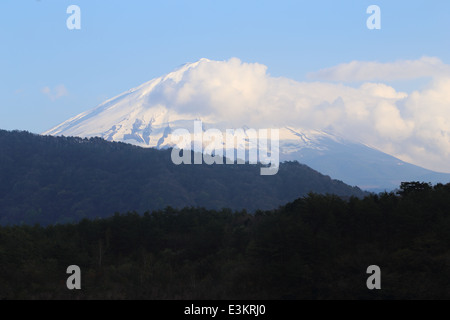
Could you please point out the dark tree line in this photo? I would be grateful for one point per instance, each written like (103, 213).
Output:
(50, 180)
(317, 247)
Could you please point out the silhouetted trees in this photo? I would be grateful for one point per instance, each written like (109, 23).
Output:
(317, 247)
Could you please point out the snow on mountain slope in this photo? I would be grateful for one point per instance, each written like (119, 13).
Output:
(140, 117)
(131, 116)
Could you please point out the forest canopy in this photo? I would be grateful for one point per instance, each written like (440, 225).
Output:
(317, 247)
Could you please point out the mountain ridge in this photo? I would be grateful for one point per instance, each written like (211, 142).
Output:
(50, 180)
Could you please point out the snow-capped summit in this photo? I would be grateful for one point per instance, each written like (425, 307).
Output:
(147, 115)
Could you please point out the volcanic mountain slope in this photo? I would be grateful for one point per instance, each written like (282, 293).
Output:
(145, 117)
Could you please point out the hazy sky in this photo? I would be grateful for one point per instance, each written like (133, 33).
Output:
(50, 73)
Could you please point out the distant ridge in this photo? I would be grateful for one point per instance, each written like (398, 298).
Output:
(50, 180)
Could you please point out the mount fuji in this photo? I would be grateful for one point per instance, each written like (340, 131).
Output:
(145, 116)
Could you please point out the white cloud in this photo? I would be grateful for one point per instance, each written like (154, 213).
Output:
(57, 92)
(357, 71)
(414, 127)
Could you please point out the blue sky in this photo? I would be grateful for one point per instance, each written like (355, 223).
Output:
(50, 73)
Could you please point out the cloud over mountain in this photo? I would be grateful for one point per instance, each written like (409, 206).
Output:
(356, 71)
(414, 127)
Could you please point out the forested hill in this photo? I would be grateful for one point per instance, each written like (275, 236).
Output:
(317, 247)
(50, 180)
